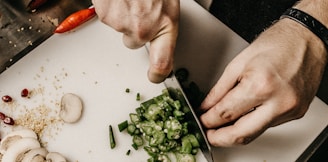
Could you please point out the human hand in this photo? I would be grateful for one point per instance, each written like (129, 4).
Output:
(142, 21)
(271, 82)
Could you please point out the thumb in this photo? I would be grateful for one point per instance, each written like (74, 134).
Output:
(161, 55)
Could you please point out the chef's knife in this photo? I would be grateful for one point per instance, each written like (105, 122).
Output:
(172, 83)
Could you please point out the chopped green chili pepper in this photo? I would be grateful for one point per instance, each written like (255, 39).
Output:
(138, 97)
(127, 90)
(160, 125)
(137, 140)
(131, 129)
(122, 126)
(135, 118)
(163, 158)
(111, 137)
(194, 151)
(152, 151)
(192, 139)
(174, 128)
(185, 157)
(186, 146)
(157, 138)
(151, 159)
(153, 112)
(128, 152)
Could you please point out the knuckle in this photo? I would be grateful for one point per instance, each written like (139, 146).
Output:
(216, 142)
(162, 65)
(212, 96)
(118, 27)
(205, 122)
(131, 43)
(294, 107)
(242, 140)
(292, 102)
(141, 32)
(112, 20)
(101, 14)
(297, 111)
(226, 115)
(263, 87)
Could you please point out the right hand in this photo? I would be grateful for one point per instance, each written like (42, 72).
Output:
(142, 21)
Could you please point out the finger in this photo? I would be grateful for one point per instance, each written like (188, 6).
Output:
(133, 42)
(110, 13)
(101, 11)
(237, 102)
(226, 82)
(243, 131)
(161, 53)
(161, 58)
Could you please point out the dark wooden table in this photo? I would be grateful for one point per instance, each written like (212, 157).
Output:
(21, 31)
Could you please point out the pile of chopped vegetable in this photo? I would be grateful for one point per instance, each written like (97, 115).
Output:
(160, 127)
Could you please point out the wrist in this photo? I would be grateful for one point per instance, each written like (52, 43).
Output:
(293, 42)
(318, 10)
(313, 25)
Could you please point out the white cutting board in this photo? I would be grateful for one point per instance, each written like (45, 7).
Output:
(93, 63)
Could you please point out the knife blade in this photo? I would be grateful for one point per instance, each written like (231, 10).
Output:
(172, 83)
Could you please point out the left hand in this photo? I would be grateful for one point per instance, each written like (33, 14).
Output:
(142, 21)
(271, 82)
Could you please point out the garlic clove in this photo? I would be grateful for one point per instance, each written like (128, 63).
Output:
(55, 157)
(71, 108)
(19, 147)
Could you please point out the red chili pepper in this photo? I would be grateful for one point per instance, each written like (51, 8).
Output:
(75, 20)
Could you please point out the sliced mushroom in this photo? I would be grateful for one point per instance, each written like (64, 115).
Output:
(14, 136)
(71, 108)
(35, 155)
(39, 159)
(19, 147)
(55, 157)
